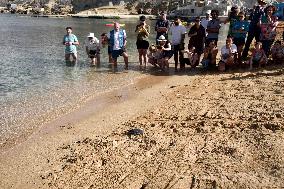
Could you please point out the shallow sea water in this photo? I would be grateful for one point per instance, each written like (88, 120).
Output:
(36, 85)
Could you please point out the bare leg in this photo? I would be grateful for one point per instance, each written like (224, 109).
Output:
(93, 61)
(74, 56)
(109, 58)
(125, 56)
(98, 59)
(250, 65)
(114, 61)
(145, 57)
(240, 50)
(140, 54)
(67, 58)
(166, 63)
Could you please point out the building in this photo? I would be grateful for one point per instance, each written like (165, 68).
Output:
(199, 7)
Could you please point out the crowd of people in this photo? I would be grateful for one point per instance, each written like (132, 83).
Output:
(202, 45)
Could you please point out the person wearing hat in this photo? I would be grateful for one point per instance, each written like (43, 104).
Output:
(162, 26)
(92, 45)
(143, 32)
(164, 51)
(70, 41)
(254, 29)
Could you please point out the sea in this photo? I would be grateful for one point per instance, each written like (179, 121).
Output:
(36, 85)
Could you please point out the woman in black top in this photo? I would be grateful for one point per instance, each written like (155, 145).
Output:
(143, 31)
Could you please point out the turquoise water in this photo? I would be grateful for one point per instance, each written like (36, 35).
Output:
(35, 83)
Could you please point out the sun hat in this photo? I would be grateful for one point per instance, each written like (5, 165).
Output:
(92, 35)
(162, 38)
(208, 12)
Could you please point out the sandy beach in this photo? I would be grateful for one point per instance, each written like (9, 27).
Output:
(193, 129)
(200, 130)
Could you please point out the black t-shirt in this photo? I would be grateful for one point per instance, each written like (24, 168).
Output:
(200, 34)
(162, 23)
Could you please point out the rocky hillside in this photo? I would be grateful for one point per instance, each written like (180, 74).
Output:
(68, 6)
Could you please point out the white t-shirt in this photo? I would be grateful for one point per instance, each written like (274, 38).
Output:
(116, 39)
(176, 32)
(92, 44)
(224, 50)
(204, 22)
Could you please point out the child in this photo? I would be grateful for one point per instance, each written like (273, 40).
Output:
(277, 52)
(104, 42)
(70, 41)
(228, 55)
(153, 55)
(92, 45)
(239, 31)
(258, 56)
(210, 54)
(192, 57)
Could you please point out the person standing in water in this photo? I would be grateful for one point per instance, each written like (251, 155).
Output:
(117, 39)
(143, 32)
(70, 41)
(162, 26)
(92, 45)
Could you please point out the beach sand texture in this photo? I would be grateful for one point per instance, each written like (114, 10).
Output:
(200, 130)
(203, 131)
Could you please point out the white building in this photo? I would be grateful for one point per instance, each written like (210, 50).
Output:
(199, 7)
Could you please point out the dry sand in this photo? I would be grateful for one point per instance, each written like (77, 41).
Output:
(206, 130)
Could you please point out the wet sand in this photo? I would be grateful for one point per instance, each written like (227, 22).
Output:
(201, 130)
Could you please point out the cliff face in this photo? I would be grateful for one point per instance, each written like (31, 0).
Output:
(80, 5)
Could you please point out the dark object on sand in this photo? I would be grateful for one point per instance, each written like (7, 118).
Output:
(134, 132)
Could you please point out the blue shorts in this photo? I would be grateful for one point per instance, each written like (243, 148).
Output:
(109, 49)
(116, 53)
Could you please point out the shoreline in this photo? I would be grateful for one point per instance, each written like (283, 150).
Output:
(67, 128)
(93, 16)
(183, 114)
(70, 114)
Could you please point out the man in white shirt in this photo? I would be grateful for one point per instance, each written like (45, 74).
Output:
(177, 32)
(92, 45)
